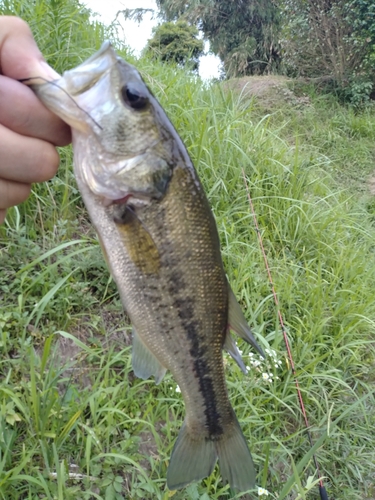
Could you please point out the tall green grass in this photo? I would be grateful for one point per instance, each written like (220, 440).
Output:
(75, 423)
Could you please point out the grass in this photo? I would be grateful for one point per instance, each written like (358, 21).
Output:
(74, 421)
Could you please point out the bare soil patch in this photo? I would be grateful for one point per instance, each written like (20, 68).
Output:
(257, 85)
(270, 90)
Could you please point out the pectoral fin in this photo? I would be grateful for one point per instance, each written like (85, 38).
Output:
(238, 323)
(140, 246)
(144, 362)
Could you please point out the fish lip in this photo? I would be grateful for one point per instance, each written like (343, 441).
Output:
(138, 201)
(101, 56)
(121, 201)
(103, 48)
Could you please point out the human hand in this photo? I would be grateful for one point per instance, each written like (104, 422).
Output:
(28, 131)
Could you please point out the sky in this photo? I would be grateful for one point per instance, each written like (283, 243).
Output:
(136, 36)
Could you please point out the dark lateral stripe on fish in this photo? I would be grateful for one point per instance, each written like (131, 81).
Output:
(176, 283)
(207, 389)
(185, 308)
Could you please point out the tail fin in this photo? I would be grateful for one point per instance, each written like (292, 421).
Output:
(236, 464)
(194, 459)
(191, 460)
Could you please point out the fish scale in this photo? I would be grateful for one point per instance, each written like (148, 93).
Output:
(188, 311)
(161, 244)
(204, 354)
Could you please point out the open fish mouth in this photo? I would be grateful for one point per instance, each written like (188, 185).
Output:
(105, 100)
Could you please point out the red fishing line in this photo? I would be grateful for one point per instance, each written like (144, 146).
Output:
(322, 490)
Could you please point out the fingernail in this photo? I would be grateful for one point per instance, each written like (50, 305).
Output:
(47, 71)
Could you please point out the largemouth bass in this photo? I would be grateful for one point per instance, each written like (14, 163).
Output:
(161, 243)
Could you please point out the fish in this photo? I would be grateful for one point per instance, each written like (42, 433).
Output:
(161, 243)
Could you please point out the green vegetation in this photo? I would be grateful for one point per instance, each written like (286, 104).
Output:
(176, 42)
(331, 41)
(243, 34)
(74, 422)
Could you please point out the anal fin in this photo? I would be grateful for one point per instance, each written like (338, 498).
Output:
(144, 363)
(238, 323)
(230, 346)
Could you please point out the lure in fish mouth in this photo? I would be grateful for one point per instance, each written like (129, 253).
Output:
(161, 243)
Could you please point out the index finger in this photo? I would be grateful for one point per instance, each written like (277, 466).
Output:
(20, 56)
(20, 110)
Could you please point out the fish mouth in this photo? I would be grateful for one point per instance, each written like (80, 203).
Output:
(82, 78)
(66, 96)
(121, 201)
(85, 98)
(137, 201)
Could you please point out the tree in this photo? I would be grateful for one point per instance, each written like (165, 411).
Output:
(243, 33)
(333, 39)
(178, 42)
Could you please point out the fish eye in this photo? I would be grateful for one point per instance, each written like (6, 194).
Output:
(134, 97)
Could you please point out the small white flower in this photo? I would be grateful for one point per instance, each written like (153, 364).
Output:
(262, 492)
(271, 353)
(255, 363)
(248, 368)
(178, 389)
(267, 377)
